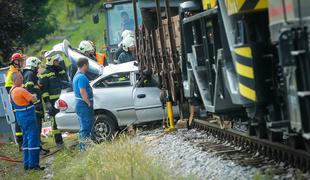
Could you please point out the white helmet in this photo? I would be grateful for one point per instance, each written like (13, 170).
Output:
(128, 42)
(125, 34)
(33, 62)
(85, 46)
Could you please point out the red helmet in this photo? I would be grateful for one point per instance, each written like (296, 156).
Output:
(16, 56)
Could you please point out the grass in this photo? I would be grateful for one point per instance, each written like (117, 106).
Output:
(9, 170)
(75, 30)
(119, 159)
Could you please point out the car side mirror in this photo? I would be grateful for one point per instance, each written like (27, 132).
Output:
(95, 18)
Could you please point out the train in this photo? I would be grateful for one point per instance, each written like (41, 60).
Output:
(243, 62)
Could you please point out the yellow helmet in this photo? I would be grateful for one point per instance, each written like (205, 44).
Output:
(50, 60)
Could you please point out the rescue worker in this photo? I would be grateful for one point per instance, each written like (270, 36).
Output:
(31, 85)
(84, 101)
(120, 49)
(88, 48)
(16, 65)
(100, 57)
(22, 102)
(51, 82)
(129, 49)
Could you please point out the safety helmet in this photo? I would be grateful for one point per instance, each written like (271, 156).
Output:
(128, 42)
(126, 33)
(17, 56)
(92, 43)
(50, 60)
(85, 46)
(33, 62)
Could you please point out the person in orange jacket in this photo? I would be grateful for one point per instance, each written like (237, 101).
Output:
(88, 48)
(16, 65)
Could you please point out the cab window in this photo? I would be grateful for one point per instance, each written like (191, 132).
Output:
(114, 80)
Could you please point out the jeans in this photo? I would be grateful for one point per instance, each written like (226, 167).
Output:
(86, 120)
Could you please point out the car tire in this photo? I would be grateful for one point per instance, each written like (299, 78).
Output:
(104, 128)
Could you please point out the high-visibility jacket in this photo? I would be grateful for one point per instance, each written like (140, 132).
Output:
(101, 59)
(31, 85)
(8, 80)
(51, 82)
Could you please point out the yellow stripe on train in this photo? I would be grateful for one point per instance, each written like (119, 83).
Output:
(244, 52)
(242, 6)
(244, 70)
(208, 4)
(247, 92)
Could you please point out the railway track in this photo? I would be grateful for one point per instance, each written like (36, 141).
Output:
(251, 150)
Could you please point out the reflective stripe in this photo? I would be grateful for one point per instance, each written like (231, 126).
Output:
(62, 72)
(56, 96)
(47, 75)
(29, 83)
(18, 134)
(82, 99)
(24, 109)
(247, 92)
(244, 52)
(55, 131)
(244, 70)
(34, 148)
(46, 94)
(38, 101)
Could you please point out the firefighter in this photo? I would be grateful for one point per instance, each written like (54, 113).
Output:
(16, 65)
(120, 49)
(129, 48)
(88, 48)
(22, 102)
(31, 84)
(51, 83)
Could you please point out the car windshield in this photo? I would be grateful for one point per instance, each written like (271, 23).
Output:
(120, 18)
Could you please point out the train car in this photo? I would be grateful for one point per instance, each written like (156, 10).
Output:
(245, 62)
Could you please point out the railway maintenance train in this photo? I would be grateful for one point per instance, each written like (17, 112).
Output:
(241, 61)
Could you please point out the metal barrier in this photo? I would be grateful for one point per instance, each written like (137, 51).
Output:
(7, 119)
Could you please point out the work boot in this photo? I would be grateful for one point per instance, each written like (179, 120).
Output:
(44, 151)
(60, 145)
(38, 168)
(20, 148)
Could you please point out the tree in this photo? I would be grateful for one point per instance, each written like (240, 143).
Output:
(22, 23)
(39, 21)
(12, 25)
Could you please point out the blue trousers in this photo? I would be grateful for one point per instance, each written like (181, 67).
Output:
(86, 120)
(31, 138)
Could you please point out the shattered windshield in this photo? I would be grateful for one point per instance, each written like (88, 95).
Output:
(120, 18)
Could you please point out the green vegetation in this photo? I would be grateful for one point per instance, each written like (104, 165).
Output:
(120, 159)
(73, 29)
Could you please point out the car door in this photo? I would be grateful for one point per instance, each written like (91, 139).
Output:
(146, 100)
(114, 93)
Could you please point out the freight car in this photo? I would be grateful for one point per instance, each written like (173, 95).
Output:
(246, 62)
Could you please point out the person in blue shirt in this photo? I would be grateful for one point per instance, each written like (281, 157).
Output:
(84, 102)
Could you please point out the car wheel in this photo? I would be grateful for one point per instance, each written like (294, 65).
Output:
(104, 128)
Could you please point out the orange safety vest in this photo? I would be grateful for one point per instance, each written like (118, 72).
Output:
(101, 59)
